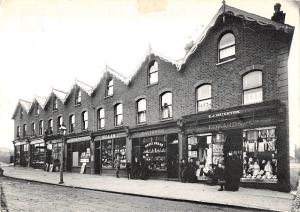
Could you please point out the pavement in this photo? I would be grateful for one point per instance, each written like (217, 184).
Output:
(261, 199)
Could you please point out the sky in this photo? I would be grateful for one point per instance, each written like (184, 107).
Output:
(50, 43)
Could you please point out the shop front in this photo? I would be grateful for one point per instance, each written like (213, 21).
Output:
(53, 155)
(156, 151)
(22, 153)
(38, 153)
(78, 154)
(249, 140)
(107, 147)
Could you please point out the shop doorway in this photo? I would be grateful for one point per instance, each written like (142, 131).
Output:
(97, 157)
(69, 158)
(173, 157)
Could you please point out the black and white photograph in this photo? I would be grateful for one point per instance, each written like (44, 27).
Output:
(149, 105)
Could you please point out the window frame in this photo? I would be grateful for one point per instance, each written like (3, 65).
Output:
(109, 86)
(84, 122)
(78, 96)
(203, 99)
(55, 104)
(116, 115)
(24, 129)
(59, 123)
(41, 127)
(100, 119)
(18, 131)
(71, 123)
(221, 60)
(252, 88)
(151, 73)
(32, 129)
(50, 126)
(21, 113)
(37, 110)
(139, 112)
(170, 116)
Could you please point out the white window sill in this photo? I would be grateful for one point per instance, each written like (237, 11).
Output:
(227, 61)
(106, 97)
(149, 85)
(166, 119)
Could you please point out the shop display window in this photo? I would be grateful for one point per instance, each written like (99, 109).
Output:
(80, 153)
(38, 155)
(17, 154)
(107, 154)
(120, 149)
(56, 151)
(155, 152)
(260, 154)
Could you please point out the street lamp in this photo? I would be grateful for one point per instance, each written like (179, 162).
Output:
(62, 131)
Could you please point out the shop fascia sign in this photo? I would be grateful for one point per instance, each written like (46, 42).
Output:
(231, 124)
(148, 133)
(110, 136)
(73, 140)
(222, 114)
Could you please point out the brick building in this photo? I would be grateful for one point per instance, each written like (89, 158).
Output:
(226, 99)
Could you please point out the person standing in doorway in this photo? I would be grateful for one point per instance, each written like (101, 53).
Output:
(182, 170)
(117, 163)
(220, 175)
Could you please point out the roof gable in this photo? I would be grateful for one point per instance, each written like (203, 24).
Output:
(25, 105)
(81, 85)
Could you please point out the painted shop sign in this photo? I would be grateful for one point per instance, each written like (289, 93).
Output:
(154, 132)
(229, 113)
(110, 136)
(20, 143)
(38, 141)
(232, 124)
(73, 140)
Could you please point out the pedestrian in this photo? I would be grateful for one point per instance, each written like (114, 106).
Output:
(191, 171)
(182, 170)
(135, 168)
(117, 163)
(220, 175)
(128, 169)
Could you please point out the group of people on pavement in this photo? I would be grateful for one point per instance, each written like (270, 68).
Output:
(226, 173)
(135, 170)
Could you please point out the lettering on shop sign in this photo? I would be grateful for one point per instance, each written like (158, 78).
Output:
(73, 140)
(110, 136)
(233, 124)
(148, 133)
(229, 113)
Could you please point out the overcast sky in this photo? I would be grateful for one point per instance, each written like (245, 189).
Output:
(49, 43)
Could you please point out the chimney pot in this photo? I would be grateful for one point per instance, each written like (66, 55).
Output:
(278, 16)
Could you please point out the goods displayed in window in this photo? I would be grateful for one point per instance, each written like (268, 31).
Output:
(259, 154)
(107, 159)
(155, 152)
(80, 153)
(38, 155)
(120, 149)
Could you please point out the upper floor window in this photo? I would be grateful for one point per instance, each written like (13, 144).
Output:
(21, 113)
(118, 114)
(85, 121)
(203, 95)
(59, 122)
(166, 105)
(153, 73)
(33, 129)
(55, 103)
(41, 127)
(71, 123)
(110, 87)
(24, 129)
(100, 118)
(37, 109)
(18, 131)
(50, 126)
(141, 111)
(252, 88)
(78, 97)
(226, 47)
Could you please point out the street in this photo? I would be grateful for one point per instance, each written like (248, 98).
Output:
(20, 195)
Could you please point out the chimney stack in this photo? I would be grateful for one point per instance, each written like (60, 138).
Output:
(278, 16)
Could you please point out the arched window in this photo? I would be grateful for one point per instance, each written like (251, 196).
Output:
(37, 109)
(50, 126)
(78, 97)
(41, 127)
(252, 88)
(71, 123)
(110, 87)
(55, 103)
(84, 120)
(166, 105)
(24, 129)
(100, 118)
(21, 113)
(203, 97)
(118, 114)
(226, 47)
(141, 111)
(18, 131)
(153, 73)
(33, 129)
(59, 122)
